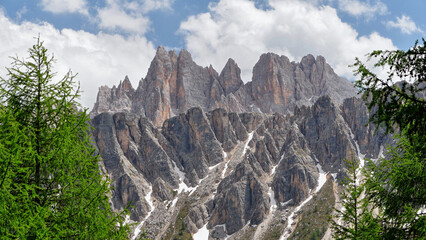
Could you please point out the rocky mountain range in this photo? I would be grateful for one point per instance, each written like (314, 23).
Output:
(175, 84)
(202, 155)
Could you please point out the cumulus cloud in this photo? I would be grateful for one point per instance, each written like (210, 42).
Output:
(151, 5)
(405, 24)
(129, 15)
(99, 59)
(65, 6)
(359, 8)
(238, 29)
(114, 16)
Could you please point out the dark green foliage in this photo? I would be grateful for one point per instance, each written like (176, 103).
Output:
(50, 182)
(355, 220)
(178, 230)
(395, 187)
(401, 104)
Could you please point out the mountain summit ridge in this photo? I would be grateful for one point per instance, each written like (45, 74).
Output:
(175, 83)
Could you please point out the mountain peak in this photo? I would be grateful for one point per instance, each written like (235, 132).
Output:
(230, 77)
(175, 83)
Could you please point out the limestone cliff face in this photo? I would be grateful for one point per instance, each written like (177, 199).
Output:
(224, 163)
(190, 148)
(240, 198)
(175, 83)
(279, 85)
(115, 99)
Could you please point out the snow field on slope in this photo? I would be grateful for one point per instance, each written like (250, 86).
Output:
(151, 205)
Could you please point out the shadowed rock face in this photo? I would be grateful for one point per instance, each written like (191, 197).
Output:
(175, 83)
(230, 77)
(240, 199)
(214, 149)
(229, 190)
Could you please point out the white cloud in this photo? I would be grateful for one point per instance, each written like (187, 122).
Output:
(21, 12)
(128, 15)
(114, 17)
(359, 8)
(151, 5)
(404, 24)
(237, 29)
(65, 6)
(99, 59)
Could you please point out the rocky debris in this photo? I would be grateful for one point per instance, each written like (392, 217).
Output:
(141, 147)
(296, 175)
(219, 232)
(239, 129)
(251, 120)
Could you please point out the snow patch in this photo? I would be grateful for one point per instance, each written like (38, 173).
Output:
(290, 218)
(321, 179)
(212, 167)
(224, 169)
(182, 184)
(271, 195)
(283, 204)
(202, 234)
(381, 155)
(127, 219)
(192, 189)
(246, 147)
(151, 205)
(275, 167)
(214, 194)
(174, 202)
(360, 157)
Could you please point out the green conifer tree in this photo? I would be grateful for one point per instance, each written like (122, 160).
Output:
(396, 185)
(50, 181)
(355, 220)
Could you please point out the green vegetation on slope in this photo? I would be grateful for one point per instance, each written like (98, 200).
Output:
(178, 230)
(313, 219)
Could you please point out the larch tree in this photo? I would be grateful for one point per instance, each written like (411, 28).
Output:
(355, 219)
(395, 186)
(51, 185)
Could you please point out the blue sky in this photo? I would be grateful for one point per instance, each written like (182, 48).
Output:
(104, 40)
